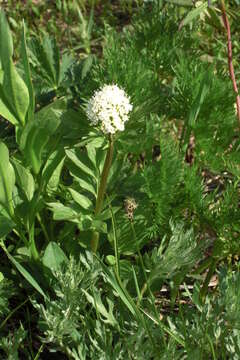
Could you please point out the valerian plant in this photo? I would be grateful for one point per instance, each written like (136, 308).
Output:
(119, 192)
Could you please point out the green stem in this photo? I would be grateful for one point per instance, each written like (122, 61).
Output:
(101, 191)
(115, 242)
(12, 313)
(33, 249)
(207, 280)
(43, 228)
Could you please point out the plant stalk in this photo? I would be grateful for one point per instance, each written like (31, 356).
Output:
(33, 249)
(230, 62)
(102, 190)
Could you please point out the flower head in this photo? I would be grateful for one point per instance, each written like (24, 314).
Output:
(109, 107)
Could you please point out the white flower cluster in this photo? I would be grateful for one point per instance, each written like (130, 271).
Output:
(109, 107)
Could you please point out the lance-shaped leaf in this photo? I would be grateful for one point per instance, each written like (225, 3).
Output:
(7, 180)
(52, 170)
(27, 73)
(81, 199)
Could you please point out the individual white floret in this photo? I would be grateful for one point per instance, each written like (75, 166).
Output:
(109, 108)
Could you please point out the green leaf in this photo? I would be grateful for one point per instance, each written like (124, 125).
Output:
(45, 57)
(14, 92)
(7, 180)
(81, 161)
(87, 64)
(100, 226)
(27, 73)
(6, 226)
(5, 110)
(38, 132)
(61, 212)
(193, 14)
(181, 2)
(203, 91)
(25, 273)
(118, 287)
(6, 46)
(86, 185)
(24, 179)
(53, 256)
(80, 199)
(52, 170)
(51, 59)
(97, 303)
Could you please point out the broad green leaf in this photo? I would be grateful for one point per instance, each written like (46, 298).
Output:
(38, 132)
(4, 110)
(24, 179)
(80, 199)
(14, 90)
(6, 226)
(7, 180)
(53, 256)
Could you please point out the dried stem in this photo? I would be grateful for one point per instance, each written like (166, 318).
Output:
(230, 63)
